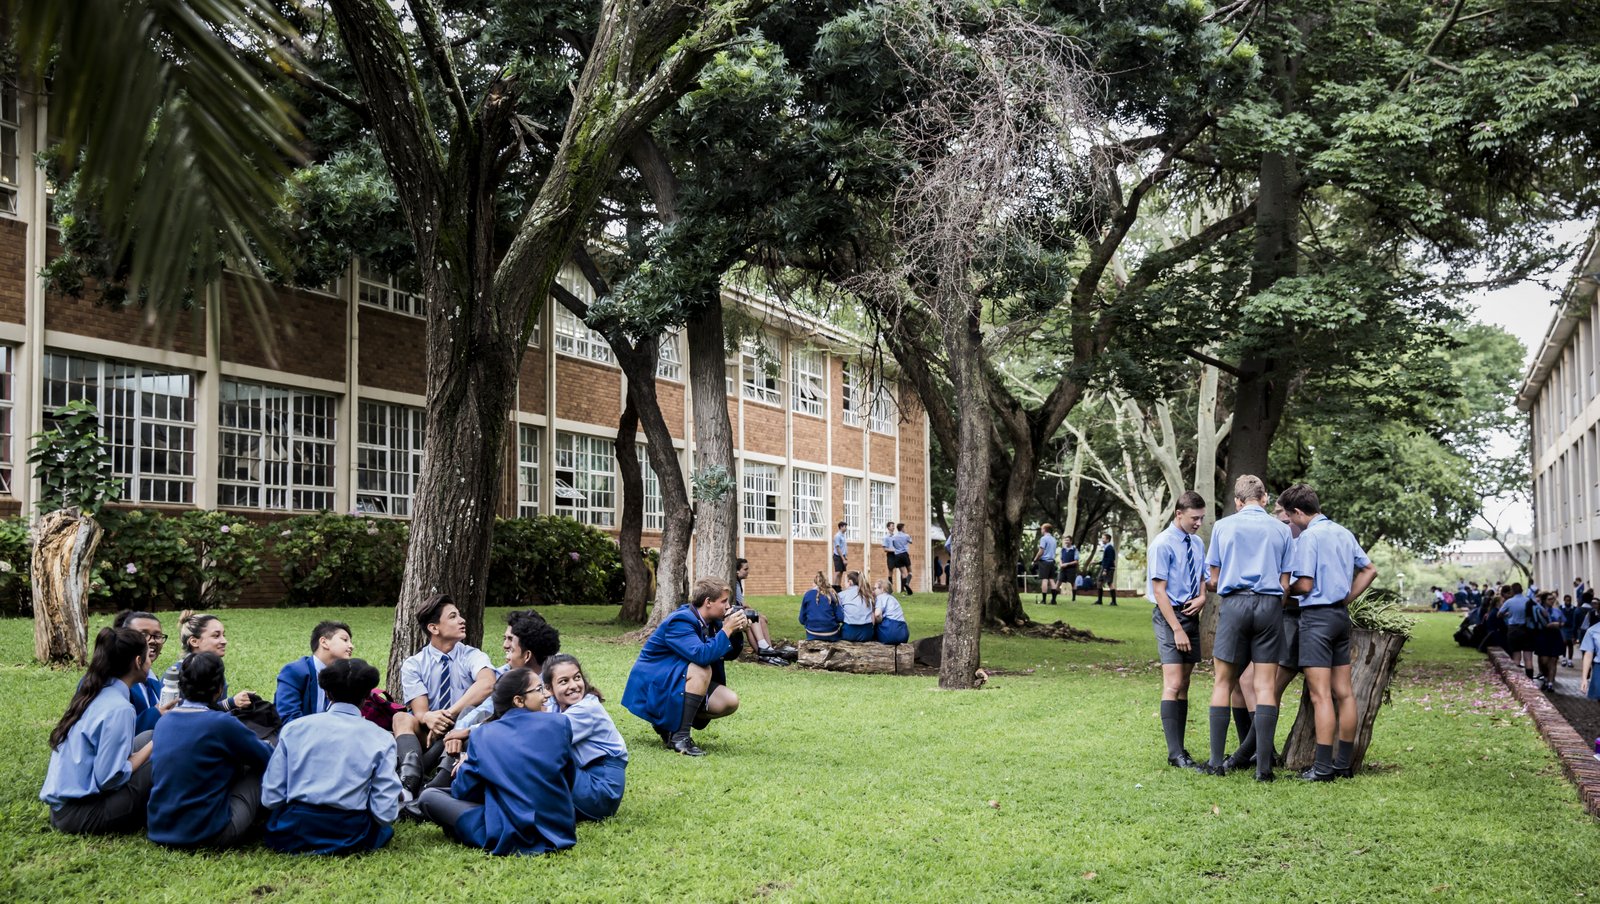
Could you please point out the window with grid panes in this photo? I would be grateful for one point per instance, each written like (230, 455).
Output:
(10, 146)
(388, 457)
(147, 417)
(852, 508)
(529, 441)
(806, 521)
(586, 479)
(7, 403)
(396, 292)
(276, 448)
(882, 505)
(807, 392)
(669, 363)
(761, 500)
(850, 387)
(576, 339)
(758, 370)
(885, 416)
(655, 514)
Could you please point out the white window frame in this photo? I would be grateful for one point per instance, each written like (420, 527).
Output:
(586, 479)
(530, 439)
(388, 465)
(378, 289)
(883, 504)
(760, 364)
(762, 500)
(655, 513)
(295, 441)
(851, 392)
(808, 383)
(154, 453)
(806, 520)
(885, 414)
(11, 156)
(575, 340)
(8, 372)
(852, 509)
(669, 361)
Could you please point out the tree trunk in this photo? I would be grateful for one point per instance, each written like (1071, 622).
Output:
(672, 586)
(1373, 658)
(1003, 604)
(63, 561)
(861, 658)
(974, 546)
(636, 572)
(717, 476)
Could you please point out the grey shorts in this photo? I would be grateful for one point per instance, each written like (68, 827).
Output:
(1289, 642)
(1249, 628)
(1047, 571)
(1324, 637)
(1167, 647)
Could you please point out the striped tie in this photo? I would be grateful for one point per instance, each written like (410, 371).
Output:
(1189, 571)
(446, 696)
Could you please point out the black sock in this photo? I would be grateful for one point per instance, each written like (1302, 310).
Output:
(1266, 730)
(1322, 764)
(1247, 745)
(1343, 753)
(408, 744)
(1174, 717)
(691, 708)
(1218, 716)
(1242, 722)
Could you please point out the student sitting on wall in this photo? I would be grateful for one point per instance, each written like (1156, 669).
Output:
(820, 613)
(888, 616)
(299, 693)
(440, 682)
(331, 783)
(597, 746)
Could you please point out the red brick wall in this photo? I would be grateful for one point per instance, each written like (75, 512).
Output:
(671, 397)
(185, 333)
(810, 438)
(530, 386)
(883, 454)
(13, 269)
(588, 392)
(306, 333)
(394, 351)
(810, 557)
(763, 429)
(767, 573)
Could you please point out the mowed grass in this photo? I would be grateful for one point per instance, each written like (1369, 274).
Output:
(833, 787)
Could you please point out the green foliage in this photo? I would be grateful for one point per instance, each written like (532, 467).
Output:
(331, 559)
(190, 560)
(1379, 610)
(711, 483)
(16, 557)
(71, 462)
(552, 560)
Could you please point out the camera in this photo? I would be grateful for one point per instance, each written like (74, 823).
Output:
(749, 613)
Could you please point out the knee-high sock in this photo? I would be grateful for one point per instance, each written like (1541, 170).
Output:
(1242, 722)
(408, 755)
(1247, 744)
(1322, 764)
(1174, 718)
(691, 708)
(1265, 731)
(1218, 716)
(1343, 754)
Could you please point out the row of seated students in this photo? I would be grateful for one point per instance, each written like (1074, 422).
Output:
(849, 614)
(318, 771)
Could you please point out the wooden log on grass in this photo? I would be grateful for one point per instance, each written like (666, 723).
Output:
(861, 658)
(63, 559)
(1373, 658)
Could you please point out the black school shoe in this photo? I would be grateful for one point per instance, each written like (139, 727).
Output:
(686, 746)
(1217, 770)
(1312, 775)
(1184, 761)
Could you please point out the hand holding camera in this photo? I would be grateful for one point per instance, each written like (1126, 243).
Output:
(737, 620)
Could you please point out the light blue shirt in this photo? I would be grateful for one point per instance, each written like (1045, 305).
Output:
(1515, 610)
(484, 710)
(1329, 555)
(900, 542)
(94, 756)
(1591, 641)
(334, 759)
(1251, 549)
(855, 607)
(1047, 548)
(890, 607)
(1167, 564)
(423, 673)
(841, 544)
(888, 541)
(594, 735)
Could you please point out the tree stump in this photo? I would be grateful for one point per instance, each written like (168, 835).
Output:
(63, 557)
(1373, 657)
(860, 658)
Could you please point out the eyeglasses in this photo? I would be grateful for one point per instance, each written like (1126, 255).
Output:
(158, 637)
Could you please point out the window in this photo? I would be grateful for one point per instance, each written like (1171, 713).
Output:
(655, 514)
(885, 416)
(276, 448)
(388, 457)
(852, 507)
(400, 293)
(852, 391)
(586, 479)
(806, 385)
(7, 399)
(883, 505)
(758, 370)
(146, 416)
(10, 139)
(806, 515)
(529, 440)
(669, 364)
(761, 500)
(576, 339)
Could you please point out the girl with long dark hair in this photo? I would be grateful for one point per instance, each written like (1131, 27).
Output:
(601, 755)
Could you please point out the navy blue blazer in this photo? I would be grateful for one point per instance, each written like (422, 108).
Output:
(521, 768)
(654, 691)
(297, 690)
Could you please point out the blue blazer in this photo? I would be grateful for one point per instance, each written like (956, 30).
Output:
(297, 690)
(521, 768)
(654, 691)
(146, 699)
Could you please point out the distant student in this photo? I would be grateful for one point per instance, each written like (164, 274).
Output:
(146, 694)
(206, 765)
(678, 683)
(1570, 613)
(889, 558)
(597, 746)
(513, 794)
(299, 693)
(1177, 589)
(98, 781)
(841, 554)
(900, 542)
(889, 618)
(820, 613)
(1545, 629)
(1069, 566)
(1108, 571)
(441, 681)
(331, 784)
(199, 633)
(1518, 642)
(1044, 564)
(858, 626)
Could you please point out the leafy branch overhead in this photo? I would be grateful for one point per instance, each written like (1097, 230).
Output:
(71, 462)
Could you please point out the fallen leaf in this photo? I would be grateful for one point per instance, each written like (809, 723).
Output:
(1216, 810)
(1090, 874)
(995, 804)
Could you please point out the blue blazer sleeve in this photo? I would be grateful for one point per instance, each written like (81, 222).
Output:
(247, 749)
(680, 636)
(468, 783)
(290, 699)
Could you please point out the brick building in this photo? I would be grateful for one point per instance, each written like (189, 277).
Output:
(327, 412)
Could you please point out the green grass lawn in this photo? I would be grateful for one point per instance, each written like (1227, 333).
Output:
(833, 787)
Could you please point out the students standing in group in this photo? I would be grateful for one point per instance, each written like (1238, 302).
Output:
(1108, 571)
(1330, 571)
(98, 780)
(441, 681)
(841, 555)
(331, 783)
(1044, 564)
(299, 693)
(678, 683)
(1546, 639)
(889, 558)
(856, 611)
(146, 694)
(1177, 589)
(889, 618)
(820, 613)
(1569, 629)
(1244, 702)
(1514, 613)
(597, 747)
(901, 543)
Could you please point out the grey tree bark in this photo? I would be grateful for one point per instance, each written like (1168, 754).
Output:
(64, 545)
(717, 476)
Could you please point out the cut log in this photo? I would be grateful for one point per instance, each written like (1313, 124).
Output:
(861, 658)
(1373, 658)
(63, 558)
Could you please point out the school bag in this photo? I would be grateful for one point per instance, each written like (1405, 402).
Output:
(379, 709)
(1537, 616)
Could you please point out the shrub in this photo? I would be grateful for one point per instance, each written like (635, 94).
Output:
(544, 560)
(331, 559)
(189, 560)
(16, 557)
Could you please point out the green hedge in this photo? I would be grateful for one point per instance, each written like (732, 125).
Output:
(547, 559)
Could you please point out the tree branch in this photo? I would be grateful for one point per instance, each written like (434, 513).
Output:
(1433, 45)
(427, 16)
(1221, 365)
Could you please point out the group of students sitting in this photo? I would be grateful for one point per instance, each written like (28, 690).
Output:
(848, 614)
(520, 753)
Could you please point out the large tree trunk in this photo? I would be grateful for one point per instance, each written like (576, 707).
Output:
(63, 560)
(974, 548)
(717, 476)
(635, 571)
(672, 586)
(1373, 658)
(1003, 603)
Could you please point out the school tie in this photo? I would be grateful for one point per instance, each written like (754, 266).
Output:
(1191, 575)
(445, 695)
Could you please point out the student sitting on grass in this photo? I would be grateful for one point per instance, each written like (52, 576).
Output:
(199, 633)
(597, 747)
(331, 783)
(207, 765)
(299, 693)
(889, 617)
(513, 792)
(98, 779)
(146, 695)
(858, 625)
(440, 682)
(820, 614)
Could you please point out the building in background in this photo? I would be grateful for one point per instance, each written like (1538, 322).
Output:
(1562, 398)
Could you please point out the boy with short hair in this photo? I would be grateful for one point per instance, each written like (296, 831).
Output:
(841, 555)
(299, 694)
(1177, 588)
(441, 681)
(1044, 564)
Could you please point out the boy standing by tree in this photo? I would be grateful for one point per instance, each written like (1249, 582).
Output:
(1044, 564)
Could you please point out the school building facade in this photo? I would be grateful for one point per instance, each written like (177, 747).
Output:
(322, 407)
(1561, 396)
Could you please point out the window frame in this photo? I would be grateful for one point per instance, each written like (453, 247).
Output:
(529, 437)
(851, 393)
(806, 518)
(758, 517)
(597, 488)
(396, 420)
(815, 402)
(386, 291)
(757, 382)
(11, 184)
(293, 411)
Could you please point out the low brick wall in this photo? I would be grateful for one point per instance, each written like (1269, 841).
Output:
(1576, 754)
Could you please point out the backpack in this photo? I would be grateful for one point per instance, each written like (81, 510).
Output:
(1538, 617)
(379, 709)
